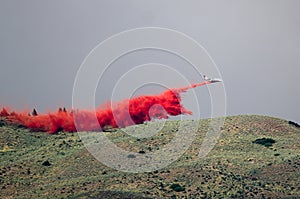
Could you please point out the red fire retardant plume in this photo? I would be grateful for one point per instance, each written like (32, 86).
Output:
(124, 113)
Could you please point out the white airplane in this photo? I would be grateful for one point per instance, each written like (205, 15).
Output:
(211, 80)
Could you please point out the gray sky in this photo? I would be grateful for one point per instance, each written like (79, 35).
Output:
(255, 44)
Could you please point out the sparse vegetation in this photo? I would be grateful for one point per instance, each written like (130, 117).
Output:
(39, 165)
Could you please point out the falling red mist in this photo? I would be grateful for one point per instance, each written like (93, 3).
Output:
(124, 113)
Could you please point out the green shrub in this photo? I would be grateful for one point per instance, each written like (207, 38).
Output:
(267, 142)
(177, 187)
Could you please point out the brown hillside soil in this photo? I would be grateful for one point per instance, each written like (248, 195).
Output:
(40, 165)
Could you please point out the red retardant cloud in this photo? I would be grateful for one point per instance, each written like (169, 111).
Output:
(124, 113)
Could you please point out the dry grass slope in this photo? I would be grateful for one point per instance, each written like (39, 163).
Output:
(39, 165)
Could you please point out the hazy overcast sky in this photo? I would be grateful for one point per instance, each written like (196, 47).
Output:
(255, 44)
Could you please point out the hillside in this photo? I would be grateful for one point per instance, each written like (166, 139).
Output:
(242, 164)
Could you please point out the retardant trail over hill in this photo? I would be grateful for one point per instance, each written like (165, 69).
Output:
(121, 114)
